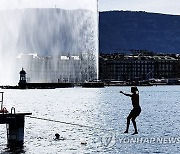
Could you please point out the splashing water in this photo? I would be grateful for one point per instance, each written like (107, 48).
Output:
(52, 40)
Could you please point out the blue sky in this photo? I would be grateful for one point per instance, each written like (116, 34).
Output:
(158, 6)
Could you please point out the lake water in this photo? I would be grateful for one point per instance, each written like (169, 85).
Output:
(104, 112)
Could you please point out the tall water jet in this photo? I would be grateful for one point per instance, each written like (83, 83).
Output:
(53, 40)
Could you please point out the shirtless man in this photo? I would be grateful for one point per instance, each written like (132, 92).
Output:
(136, 108)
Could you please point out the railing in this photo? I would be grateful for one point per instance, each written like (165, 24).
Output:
(1, 100)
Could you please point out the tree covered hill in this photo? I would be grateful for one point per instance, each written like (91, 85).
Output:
(122, 31)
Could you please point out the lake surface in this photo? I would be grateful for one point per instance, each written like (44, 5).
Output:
(102, 115)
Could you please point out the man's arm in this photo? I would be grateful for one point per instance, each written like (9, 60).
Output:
(130, 95)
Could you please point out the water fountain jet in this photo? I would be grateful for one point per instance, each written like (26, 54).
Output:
(62, 35)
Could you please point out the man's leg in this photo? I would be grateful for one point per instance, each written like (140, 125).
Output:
(128, 122)
(134, 124)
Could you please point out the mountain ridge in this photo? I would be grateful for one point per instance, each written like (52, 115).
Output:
(122, 31)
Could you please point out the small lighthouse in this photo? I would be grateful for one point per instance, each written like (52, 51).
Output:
(22, 76)
(22, 80)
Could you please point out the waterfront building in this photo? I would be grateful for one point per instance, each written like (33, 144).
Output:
(119, 67)
(48, 69)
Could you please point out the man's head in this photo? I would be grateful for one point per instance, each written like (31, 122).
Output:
(134, 89)
(57, 136)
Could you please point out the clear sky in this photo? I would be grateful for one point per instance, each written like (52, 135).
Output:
(64, 4)
(158, 6)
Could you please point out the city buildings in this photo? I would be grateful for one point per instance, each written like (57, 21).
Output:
(121, 67)
(66, 68)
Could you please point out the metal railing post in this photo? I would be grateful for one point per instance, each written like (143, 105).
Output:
(1, 100)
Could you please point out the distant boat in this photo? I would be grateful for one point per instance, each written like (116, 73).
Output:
(93, 84)
(45, 85)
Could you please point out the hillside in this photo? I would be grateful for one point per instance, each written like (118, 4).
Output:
(121, 31)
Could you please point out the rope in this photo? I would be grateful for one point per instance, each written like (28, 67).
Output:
(69, 123)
